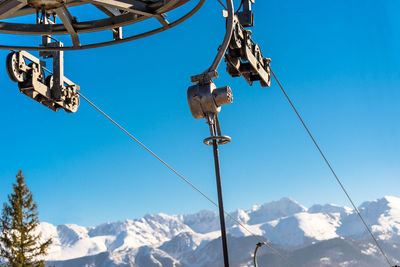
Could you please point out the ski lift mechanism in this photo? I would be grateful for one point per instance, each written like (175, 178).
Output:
(56, 91)
(242, 55)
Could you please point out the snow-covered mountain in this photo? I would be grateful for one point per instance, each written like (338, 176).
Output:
(323, 235)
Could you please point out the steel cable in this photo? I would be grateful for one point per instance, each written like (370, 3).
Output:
(222, 4)
(331, 169)
(184, 179)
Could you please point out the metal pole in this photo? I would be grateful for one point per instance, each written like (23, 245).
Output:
(220, 204)
(255, 253)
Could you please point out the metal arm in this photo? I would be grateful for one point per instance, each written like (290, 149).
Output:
(211, 72)
(229, 30)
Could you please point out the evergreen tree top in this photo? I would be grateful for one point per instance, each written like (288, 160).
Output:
(20, 244)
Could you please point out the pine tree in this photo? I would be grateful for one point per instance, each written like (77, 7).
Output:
(20, 244)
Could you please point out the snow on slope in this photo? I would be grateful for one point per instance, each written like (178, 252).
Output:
(167, 240)
(330, 208)
(274, 210)
(302, 228)
(383, 215)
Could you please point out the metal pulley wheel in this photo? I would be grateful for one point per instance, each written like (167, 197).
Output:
(13, 67)
(75, 102)
(49, 81)
(41, 77)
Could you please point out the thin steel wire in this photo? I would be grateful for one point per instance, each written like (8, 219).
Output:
(184, 179)
(222, 4)
(331, 169)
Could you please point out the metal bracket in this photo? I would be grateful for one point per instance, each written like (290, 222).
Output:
(206, 98)
(246, 17)
(54, 91)
(244, 58)
(33, 82)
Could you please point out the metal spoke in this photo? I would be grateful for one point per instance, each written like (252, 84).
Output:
(67, 20)
(161, 18)
(112, 12)
(8, 7)
(27, 10)
(109, 11)
(132, 6)
(80, 27)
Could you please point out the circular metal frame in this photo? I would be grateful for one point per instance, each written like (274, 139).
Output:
(93, 26)
(221, 140)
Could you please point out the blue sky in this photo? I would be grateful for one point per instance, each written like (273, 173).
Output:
(338, 60)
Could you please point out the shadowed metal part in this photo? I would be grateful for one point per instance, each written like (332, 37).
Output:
(8, 7)
(132, 6)
(66, 19)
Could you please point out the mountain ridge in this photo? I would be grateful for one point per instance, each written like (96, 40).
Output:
(192, 239)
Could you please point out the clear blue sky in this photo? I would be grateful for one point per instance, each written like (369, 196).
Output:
(339, 61)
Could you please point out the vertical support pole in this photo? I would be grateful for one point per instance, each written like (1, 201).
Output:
(212, 123)
(58, 67)
(58, 73)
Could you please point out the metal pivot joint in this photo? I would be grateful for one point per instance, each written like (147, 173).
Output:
(205, 101)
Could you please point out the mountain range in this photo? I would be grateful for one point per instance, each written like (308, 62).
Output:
(322, 235)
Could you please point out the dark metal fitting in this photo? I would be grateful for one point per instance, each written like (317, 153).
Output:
(207, 99)
(259, 244)
(223, 96)
(205, 77)
(246, 17)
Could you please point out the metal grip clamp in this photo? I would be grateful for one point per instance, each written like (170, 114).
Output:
(205, 101)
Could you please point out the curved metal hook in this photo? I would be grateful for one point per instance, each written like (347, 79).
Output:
(228, 35)
(260, 244)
